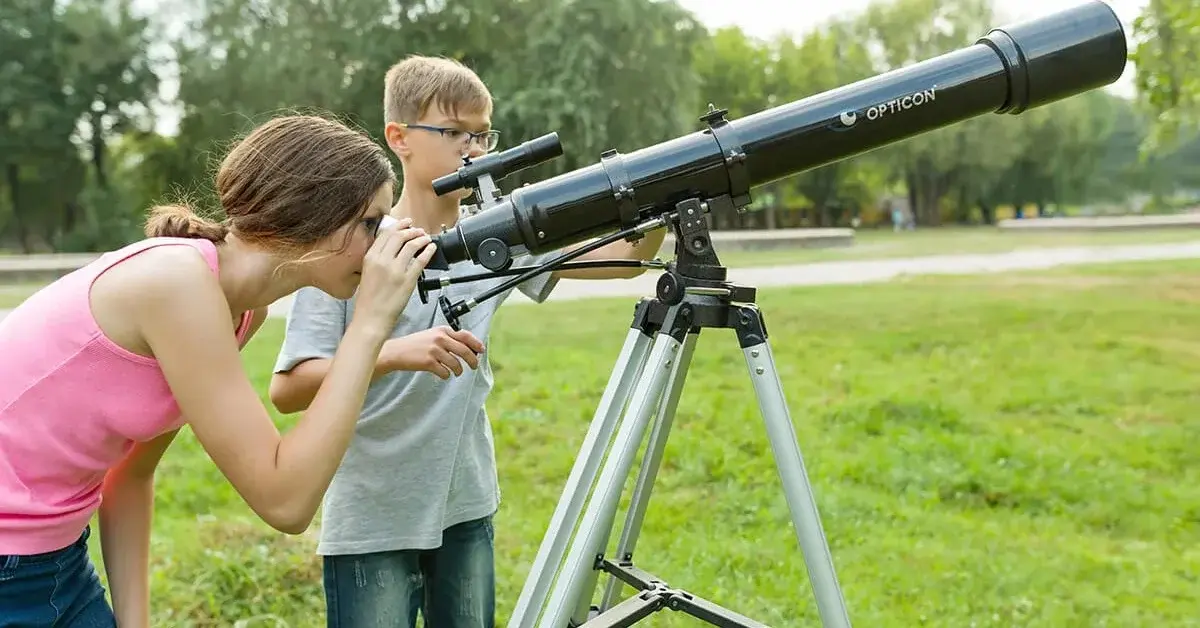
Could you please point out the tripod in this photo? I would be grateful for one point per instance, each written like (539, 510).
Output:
(691, 296)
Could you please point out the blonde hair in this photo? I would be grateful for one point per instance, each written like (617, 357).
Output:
(418, 83)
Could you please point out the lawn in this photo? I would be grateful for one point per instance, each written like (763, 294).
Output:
(12, 295)
(884, 243)
(1008, 450)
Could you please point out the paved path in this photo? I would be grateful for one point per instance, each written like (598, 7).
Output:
(871, 271)
(1189, 218)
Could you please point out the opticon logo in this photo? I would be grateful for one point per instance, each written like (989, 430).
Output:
(915, 99)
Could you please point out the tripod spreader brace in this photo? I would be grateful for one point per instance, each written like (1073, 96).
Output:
(655, 595)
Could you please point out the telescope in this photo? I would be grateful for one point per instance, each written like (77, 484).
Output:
(674, 184)
(1008, 70)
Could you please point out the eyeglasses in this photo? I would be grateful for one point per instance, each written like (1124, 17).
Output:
(462, 139)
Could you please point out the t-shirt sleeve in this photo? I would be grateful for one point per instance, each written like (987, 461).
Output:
(538, 287)
(315, 324)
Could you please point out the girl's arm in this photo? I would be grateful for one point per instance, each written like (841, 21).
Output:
(183, 315)
(126, 514)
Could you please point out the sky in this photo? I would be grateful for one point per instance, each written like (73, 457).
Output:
(764, 18)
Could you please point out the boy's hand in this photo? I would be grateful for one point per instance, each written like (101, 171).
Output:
(436, 350)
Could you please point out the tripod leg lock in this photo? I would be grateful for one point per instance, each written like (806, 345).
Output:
(749, 325)
(681, 323)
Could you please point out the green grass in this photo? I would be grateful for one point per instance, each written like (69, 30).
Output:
(12, 295)
(1008, 450)
(883, 243)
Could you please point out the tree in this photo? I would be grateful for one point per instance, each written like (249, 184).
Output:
(1167, 36)
(733, 70)
(65, 68)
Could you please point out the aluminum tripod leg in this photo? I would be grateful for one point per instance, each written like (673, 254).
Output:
(595, 528)
(651, 461)
(800, 500)
(627, 370)
(657, 384)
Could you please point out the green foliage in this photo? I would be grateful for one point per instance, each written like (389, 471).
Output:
(1167, 37)
(622, 77)
(78, 149)
(75, 75)
(991, 450)
(600, 73)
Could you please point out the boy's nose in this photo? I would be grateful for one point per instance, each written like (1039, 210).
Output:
(475, 148)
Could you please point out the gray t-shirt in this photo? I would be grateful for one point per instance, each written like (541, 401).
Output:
(422, 457)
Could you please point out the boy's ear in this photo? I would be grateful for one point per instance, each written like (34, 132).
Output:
(397, 138)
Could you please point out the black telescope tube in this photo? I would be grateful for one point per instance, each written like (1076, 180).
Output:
(1008, 70)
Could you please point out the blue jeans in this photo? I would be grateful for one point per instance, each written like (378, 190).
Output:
(453, 586)
(57, 589)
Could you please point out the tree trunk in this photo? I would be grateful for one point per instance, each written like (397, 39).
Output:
(13, 172)
(98, 150)
(914, 205)
(963, 210)
(988, 212)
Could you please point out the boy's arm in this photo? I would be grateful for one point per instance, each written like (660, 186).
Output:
(315, 324)
(644, 249)
(538, 288)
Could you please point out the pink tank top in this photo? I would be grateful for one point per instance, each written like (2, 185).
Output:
(72, 404)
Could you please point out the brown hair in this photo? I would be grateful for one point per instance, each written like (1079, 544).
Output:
(291, 182)
(414, 85)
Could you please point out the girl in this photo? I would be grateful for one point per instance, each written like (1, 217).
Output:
(102, 368)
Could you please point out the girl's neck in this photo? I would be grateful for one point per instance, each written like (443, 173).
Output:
(251, 277)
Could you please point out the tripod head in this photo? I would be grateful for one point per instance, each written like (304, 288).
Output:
(676, 183)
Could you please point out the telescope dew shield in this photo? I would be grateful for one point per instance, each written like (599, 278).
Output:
(1009, 70)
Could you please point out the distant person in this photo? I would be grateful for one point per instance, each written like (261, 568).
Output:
(104, 366)
(411, 507)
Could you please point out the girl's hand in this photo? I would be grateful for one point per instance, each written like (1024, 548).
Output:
(390, 272)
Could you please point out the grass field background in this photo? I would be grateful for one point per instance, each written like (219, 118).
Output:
(1001, 450)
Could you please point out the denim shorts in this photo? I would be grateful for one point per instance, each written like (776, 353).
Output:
(452, 586)
(57, 589)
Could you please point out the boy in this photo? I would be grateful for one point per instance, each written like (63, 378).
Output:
(407, 521)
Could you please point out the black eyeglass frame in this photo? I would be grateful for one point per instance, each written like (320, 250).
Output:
(490, 138)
